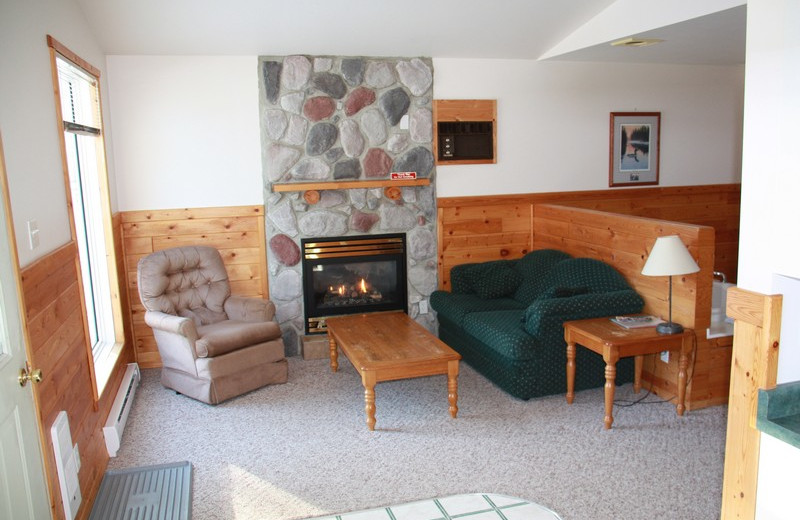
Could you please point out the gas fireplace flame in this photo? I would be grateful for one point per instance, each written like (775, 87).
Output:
(363, 286)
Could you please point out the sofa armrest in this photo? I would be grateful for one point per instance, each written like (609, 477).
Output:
(241, 308)
(544, 314)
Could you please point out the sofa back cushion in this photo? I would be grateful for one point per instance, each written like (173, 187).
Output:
(489, 280)
(533, 267)
(581, 276)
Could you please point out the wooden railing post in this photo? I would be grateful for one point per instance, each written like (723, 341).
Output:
(755, 365)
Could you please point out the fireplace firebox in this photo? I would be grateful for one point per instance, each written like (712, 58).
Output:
(353, 274)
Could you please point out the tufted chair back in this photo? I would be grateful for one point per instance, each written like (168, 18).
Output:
(185, 281)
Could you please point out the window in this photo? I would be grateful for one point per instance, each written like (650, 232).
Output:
(80, 115)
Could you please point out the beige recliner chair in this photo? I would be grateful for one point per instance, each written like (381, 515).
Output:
(213, 346)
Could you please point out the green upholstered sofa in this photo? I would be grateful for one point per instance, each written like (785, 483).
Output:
(506, 318)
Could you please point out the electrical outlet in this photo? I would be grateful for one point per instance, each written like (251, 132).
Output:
(423, 306)
(665, 356)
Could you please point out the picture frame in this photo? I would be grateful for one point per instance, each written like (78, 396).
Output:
(634, 148)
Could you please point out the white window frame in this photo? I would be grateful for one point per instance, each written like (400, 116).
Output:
(80, 121)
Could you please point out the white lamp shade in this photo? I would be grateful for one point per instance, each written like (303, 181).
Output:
(669, 257)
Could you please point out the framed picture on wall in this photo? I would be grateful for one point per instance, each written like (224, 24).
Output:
(634, 148)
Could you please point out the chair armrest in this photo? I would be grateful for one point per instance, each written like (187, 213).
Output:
(546, 313)
(170, 323)
(241, 308)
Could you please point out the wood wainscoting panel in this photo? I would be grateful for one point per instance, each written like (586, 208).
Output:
(238, 232)
(55, 326)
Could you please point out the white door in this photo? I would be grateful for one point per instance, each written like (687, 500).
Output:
(23, 492)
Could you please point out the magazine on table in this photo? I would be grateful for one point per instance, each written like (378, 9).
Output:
(637, 322)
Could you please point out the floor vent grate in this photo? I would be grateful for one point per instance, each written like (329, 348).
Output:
(151, 492)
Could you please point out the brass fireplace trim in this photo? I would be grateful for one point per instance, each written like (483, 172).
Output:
(339, 248)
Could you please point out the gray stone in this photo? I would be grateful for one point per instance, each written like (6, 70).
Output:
(331, 84)
(397, 218)
(288, 311)
(352, 140)
(311, 169)
(379, 74)
(415, 75)
(409, 195)
(426, 202)
(418, 159)
(423, 279)
(394, 104)
(284, 218)
(285, 249)
(374, 126)
(397, 143)
(358, 197)
(353, 71)
(323, 224)
(286, 286)
(300, 206)
(275, 123)
(334, 154)
(347, 169)
(363, 222)
(279, 159)
(272, 80)
(330, 198)
(421, 126)
(293, 102)
(374, 198)
(296, 133)
(320, 138)
(322, 64)
(291, 338)
(296, 72)
(421, 243)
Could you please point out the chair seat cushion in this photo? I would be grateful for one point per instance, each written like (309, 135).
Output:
(225, 336)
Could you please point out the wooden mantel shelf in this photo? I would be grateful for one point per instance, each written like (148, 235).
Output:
(347, 185)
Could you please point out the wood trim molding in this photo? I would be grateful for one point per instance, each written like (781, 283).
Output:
(347, 185)
(71, 56)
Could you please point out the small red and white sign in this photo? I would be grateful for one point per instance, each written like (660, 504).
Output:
(403, 176)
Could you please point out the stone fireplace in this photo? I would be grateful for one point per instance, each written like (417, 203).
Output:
(333, 130)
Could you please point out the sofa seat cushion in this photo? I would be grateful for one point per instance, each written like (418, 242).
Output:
(229, 335)
(501, 332)
(455, 306)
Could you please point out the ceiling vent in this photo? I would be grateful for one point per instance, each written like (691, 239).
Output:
(636, 42)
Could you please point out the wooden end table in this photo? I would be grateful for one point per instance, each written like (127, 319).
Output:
(613, 341)
(385, 346)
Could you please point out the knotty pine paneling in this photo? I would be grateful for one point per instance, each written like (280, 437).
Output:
(58, 344)
(469, 230)
(237, 232)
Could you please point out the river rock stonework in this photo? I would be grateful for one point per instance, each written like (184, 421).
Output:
(332, 119)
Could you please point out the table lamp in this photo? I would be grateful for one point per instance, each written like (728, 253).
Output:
(669, 257)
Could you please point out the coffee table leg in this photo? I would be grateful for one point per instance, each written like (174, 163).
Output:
(369, 380)
(452, 387)
(334, 353)
(570, 372)
(611, 359)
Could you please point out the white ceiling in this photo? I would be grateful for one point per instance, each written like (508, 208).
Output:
(510, 29)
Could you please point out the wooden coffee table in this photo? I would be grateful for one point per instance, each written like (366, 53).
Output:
(612, 341)
(387, 346)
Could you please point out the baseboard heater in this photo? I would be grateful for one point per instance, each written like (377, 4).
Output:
(118, 416)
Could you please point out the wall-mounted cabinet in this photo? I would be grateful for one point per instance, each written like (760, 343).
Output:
(465, 131)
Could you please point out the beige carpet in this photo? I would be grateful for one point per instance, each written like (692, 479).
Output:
(302, 449)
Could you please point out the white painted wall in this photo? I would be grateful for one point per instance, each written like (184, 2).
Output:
(553, 122)
(769, 250)
(186, 131)
(28, 115)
